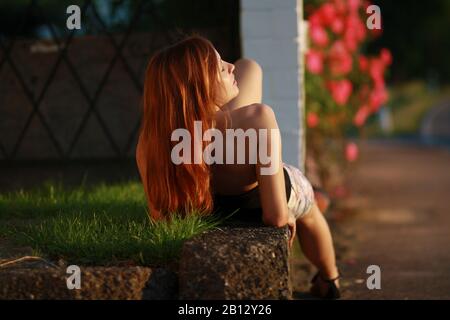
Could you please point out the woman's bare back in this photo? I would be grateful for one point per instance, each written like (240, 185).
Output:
(234, 178)
(240, 176)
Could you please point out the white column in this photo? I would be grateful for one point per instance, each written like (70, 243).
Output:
(272, 34)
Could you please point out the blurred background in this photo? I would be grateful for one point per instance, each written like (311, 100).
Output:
(70, 100)
(378, 117)
(390, 84)
(417, 35)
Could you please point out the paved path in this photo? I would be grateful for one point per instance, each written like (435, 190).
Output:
(401, 196)
(398, 218)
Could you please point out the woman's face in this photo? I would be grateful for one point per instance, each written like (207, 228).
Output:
(228, 88)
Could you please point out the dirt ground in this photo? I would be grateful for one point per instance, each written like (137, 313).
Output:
(397, 218)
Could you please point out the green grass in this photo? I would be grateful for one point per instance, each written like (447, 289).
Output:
(100, 225)
(52, 199)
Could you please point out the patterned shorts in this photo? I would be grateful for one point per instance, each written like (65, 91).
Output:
(302, 195)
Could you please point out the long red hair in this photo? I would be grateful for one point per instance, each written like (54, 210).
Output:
(180, 88)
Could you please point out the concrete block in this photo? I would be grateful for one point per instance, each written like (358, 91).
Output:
(236, 263)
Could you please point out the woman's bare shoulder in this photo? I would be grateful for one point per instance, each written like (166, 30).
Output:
(257, 115)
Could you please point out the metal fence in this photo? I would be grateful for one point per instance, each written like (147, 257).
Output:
(71, 95)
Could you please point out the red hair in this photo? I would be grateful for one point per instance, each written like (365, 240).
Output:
(180, 88)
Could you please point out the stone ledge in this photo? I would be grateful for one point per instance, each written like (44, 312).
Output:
(236, 262)
(240, 261)
(121, 283)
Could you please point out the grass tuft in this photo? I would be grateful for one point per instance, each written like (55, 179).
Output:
(99, 226)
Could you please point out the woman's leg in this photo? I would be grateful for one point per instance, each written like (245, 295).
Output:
(317, 244)
(314, 233)
(248, 74)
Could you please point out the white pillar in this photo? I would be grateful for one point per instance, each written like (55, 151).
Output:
(272, 34)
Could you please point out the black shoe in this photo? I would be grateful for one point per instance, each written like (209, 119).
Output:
(332, 292)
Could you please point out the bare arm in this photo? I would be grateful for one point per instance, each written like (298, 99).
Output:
(272, 186)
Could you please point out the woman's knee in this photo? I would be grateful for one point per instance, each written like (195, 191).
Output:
(309, 217)
(248, 74)
(248, 65)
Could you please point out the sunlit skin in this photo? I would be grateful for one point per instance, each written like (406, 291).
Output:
(245, 111)
(250, 113)
(238, 105)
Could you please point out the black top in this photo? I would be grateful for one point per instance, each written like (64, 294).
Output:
(248, 204)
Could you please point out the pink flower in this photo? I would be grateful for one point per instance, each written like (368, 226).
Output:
(351, 152)
(386, 56)
(327, 13)
(315, 19)
(363, 63)
(355, 31)
(361, 116)
(318, 35)
(312, 119)
(340, 91)
(377, 98)
(354, 5)
(350, 40)
(341, 6)
(340, 60)
(337, 26)
(314, 61)
(376, 71)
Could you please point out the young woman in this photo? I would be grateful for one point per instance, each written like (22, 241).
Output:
(189, 82)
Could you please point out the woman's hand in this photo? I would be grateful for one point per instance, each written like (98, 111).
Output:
(292, 228)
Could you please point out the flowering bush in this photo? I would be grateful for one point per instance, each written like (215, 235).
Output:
(343, 86)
